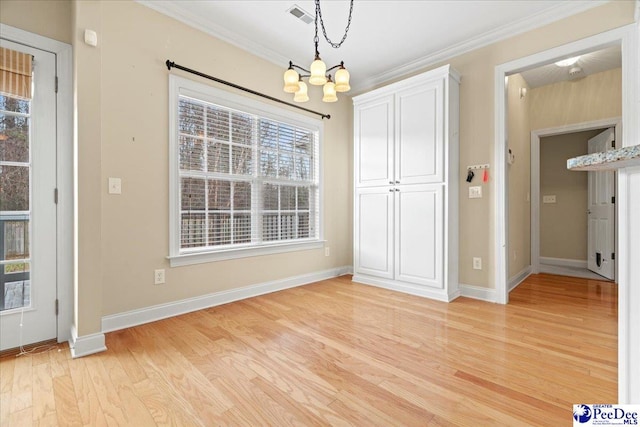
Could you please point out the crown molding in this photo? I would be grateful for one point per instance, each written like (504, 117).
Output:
(563, 10)
(173, 10)
(529, 23)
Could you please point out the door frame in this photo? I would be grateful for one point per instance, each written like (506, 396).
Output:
(627, 37)
(536, 135)
(64, 169)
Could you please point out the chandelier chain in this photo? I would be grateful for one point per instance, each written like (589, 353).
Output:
(324, 30)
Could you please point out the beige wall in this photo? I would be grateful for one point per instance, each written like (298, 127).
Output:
(594, 97)
(123, 238)
(519, 176)
(477, 228)
(563, 225)
(51, 18)
(134, 121)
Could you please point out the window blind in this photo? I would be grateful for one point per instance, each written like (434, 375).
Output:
(15, 73)
(245, 180)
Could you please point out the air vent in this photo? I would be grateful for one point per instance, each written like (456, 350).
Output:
(299, 13)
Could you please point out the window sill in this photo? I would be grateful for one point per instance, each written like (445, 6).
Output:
(227, 254)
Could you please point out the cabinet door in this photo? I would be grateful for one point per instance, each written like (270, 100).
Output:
(373, 240)
(420, 134)
(373, 128)
(419, 236)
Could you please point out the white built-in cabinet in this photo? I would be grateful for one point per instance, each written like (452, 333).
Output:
(406, 185)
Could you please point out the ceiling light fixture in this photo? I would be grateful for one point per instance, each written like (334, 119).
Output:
(568, 62)
(318, 74)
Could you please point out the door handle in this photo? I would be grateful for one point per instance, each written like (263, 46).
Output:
(588, 211)
(599, 259)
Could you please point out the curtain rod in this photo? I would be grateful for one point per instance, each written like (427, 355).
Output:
(171, 64)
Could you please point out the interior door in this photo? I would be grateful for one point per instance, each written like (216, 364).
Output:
(27, 207)
(601, 211)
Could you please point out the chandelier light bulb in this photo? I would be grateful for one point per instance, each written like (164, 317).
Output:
(301, 95)
(291, 79)
(318, 72)
(342, 79)
(329, 90)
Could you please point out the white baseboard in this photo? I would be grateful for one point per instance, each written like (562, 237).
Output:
(519, 278)
(132, 318)
(478, 292)
(563, 262)
(407, 288)
(85, 345)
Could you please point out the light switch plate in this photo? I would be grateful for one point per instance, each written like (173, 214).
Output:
(115, 186)
(475, 192)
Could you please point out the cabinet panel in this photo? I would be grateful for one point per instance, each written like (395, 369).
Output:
(420, 134)
(374, 232)
(419, 236)
(374, 143)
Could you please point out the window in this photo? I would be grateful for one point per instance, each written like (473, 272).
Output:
(244, 176)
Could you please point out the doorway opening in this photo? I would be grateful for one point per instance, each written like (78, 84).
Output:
(560, 231)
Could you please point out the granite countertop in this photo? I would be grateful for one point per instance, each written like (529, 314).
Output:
(608, 160)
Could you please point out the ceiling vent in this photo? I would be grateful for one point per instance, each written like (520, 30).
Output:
(299, 13)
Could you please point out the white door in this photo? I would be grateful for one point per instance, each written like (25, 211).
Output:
(27, 208)
(373, 244)
(601, 211)
(419, 244)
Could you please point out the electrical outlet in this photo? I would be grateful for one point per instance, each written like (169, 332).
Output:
(477, 263)
(158, 277)
(327, 251)
(549, 199)
(115, 186)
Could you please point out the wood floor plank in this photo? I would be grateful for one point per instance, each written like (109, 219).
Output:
(338, 353)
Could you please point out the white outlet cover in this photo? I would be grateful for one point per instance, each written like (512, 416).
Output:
(115, 186)
(549, 199)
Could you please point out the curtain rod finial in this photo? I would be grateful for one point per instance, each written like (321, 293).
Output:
(169, 64)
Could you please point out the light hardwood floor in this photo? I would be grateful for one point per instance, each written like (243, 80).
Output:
(338, 353)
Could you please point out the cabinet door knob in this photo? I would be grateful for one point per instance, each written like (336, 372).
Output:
(391, 182)
(397, 189)
(397, 182)
(391, 190)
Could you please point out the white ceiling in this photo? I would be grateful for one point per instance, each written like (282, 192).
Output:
(387, 39)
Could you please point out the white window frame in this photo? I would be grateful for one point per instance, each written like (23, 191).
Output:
(179, 86)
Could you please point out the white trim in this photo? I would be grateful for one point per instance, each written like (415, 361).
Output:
(535, 174)
(564, 262)
(519, 278)
(203, 257)
(132, 318)
(407, 288)
(85, 345)
(627, 36)
(64, 136)
(531, 22)
(173, 10)
(478, 292)
(555, 13)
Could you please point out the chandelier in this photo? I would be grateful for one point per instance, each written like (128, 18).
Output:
(318, 74)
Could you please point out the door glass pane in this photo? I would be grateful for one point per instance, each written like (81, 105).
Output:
(15, 251)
